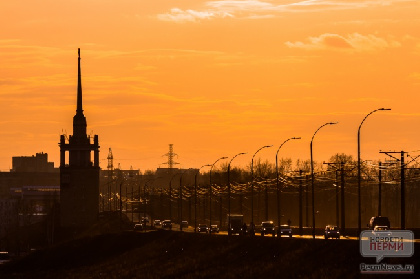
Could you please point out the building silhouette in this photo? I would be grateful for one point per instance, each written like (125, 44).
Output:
(37, 163)
(79, 176)
(32, 170)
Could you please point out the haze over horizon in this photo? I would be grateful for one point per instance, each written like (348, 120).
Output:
(214, 78)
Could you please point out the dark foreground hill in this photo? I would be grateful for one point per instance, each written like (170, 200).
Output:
(168, 254)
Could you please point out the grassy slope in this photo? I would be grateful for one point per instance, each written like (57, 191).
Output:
(166, 254)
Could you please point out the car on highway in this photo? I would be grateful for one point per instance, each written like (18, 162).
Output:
(184, 224)
(214, 228)
(381, 231)
(4, 257)
(381, 228)
(167, 224)
(138, 227)
(285, 230)
(378, 221)
(268, 227)
(331, 232)
(203, 228)
(157, 223)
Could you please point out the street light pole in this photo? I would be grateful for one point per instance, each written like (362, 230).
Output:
(313, 178)
(170, 197)
(180, 200)
(252, 184)
(359, 195)
(228, 175)
(195, 197)
(278, 183)
(221, 158)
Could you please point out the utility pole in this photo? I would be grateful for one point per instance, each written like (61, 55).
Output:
(110, 168)
(380, 189)
(300, 203)
(121, 204)
(402, 192)
(170, 200)
(221, 209)
(381, 167)
(266, 202)
(402, 182)
(337, 206)
(343, 207)
(307, 201)
(342, 196)
(180, 201)
(138, 207)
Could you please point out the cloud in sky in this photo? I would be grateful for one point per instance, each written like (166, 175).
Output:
(352, 42)
(179, 15)
(256, 9)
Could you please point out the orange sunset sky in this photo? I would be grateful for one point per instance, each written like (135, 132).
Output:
(214, 78)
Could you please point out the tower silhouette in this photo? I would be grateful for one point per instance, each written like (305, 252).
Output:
(171, 156)
(79, 177)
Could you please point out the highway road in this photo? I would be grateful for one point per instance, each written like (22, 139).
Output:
(190, 229)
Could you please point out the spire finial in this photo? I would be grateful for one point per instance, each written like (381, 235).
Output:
(79, 86)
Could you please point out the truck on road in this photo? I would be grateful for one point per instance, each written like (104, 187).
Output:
(378, 221)
(235, 223)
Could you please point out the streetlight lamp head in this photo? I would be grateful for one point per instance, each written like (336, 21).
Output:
(223, 158)
(268, 146)
(296, 138)
(332, 123)
(384, 109)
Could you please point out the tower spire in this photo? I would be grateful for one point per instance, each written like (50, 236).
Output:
(79, 87)
(79, 120)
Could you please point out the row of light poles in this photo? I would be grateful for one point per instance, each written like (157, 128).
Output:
(358, 173)
(278, 180)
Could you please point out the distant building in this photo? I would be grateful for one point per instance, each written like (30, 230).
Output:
(37, 163)
(79, 176)
(29, 170)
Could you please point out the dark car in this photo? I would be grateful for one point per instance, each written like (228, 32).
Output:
(331, 232)
(268, 227)
(4, 257)
(214, 228)
(381, 231)
(203, 228)
(184, 224)
(285, 230)
(138, 227)
(157, 223)
(167, 224)
(378, 221)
